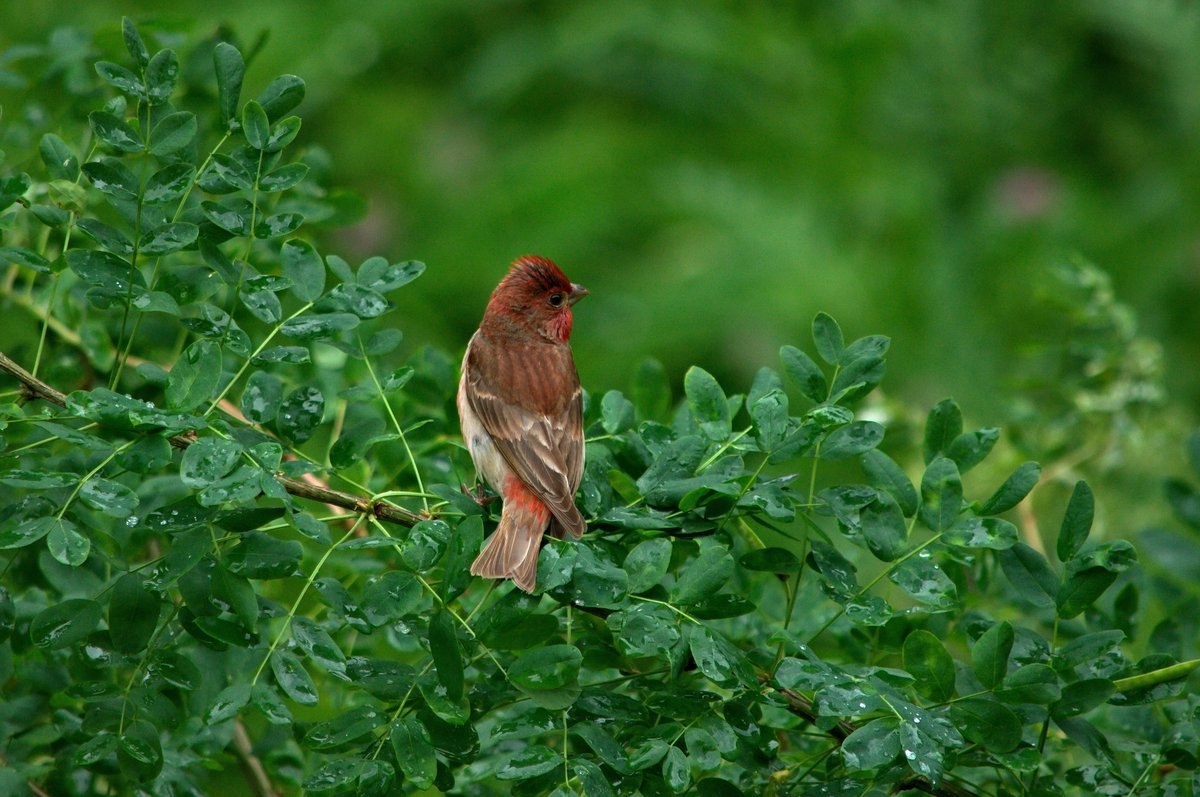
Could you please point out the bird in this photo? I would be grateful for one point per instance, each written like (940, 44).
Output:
(520, 405)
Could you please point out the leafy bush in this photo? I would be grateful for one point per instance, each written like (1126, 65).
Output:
(240, 541)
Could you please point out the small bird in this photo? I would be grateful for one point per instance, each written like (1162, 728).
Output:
(521, 410)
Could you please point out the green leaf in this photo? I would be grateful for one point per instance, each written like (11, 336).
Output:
(255, 125)
(941, 494)
(344, 728)
(616, 413)
(647, 563)
(975, 532)
(771, 560)
(104, 270)
(232, 215)
(801, 369)
(283, 133)
(606, 748)
(133, 42)
(208, 460)
(259, 555)
(228, 703)
(856, 379)
(718, 659)
(930, 664)
(230, 68)
(283, 178)
(65, 624)
(170, 237)
(61, 161)
(38, 480)
(112, 498)
(883, 528)
(161, 73)
(107, 236)
(132, 613)
(139, 751)
(318, 326)
(528, 762)
(169, 184)
(989, 655)
(225, 174)
(1080, 697)
(708, 404)
(293, 679)
(115, 132)
(1077, 521)
(173, 132)
(121, 79)
(195, 377)
(675, 770)
(66, 544)
(1014, 489)
(425, 545)
(942, 428)
(1081, 589)
(357, 299)
(25, 257)
(873, 745)
(827, 336)
(1033, 683)
(970, 448)
(512, 625)
(446, 653)
(925, 581)
(414, 751)
(262, 397)
(296, 355)
(988, 723)
(1031, 574)
(883, 473)
(300, 413)
(281, 95)
(851, 440)
(703, 576)
(549, 667)
(645, 631)
(27, 532)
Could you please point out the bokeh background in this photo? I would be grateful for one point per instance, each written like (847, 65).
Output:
(717, 172)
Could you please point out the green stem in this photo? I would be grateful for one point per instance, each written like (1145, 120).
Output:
(387, 405)
(308, 582)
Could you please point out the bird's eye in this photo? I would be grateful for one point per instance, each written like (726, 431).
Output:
(556, 299)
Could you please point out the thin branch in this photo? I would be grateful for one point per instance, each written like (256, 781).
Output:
(34, 388)
(251, 765)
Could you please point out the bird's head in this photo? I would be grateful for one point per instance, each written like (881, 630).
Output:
(537, 297)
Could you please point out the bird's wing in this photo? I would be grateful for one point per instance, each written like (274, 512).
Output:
(538, 430)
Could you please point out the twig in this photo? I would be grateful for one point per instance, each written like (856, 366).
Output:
(251, 765)
(35, 388)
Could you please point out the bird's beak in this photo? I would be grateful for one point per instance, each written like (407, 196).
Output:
(577, 293)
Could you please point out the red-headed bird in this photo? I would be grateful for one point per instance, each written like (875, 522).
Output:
(521, 409)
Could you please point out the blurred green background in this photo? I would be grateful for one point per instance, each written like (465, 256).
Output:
(716, 173)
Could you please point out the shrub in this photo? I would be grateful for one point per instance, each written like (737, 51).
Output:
(237, 540)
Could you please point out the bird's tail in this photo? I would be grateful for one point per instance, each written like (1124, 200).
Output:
(512, 552)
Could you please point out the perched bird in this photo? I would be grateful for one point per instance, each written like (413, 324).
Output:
(521, 410)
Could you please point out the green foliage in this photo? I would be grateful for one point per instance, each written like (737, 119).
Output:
(241, 539)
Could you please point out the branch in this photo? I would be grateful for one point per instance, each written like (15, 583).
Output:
(34, 388)
(251, 765)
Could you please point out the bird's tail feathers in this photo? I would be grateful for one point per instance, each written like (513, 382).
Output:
(512, 552)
